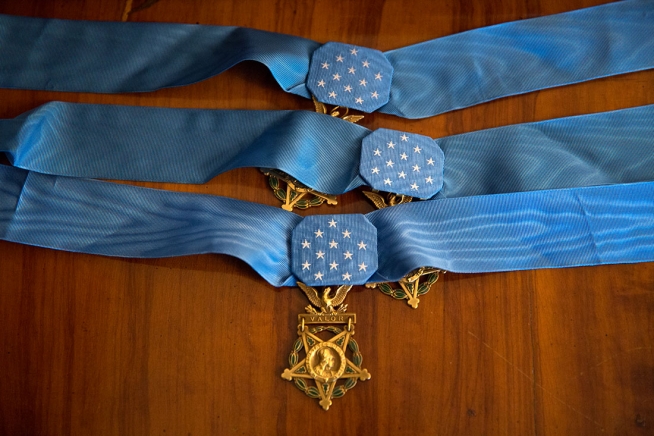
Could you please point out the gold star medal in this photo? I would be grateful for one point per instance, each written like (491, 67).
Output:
(336, 250)
(326, 360)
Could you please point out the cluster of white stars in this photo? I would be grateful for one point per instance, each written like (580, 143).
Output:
(363, 83)
(390, 164)
(402, 175)
(333, 244)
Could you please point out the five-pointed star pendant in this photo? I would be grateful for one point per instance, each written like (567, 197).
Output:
(301, 369)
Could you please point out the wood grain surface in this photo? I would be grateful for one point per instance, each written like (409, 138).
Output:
(91, 345)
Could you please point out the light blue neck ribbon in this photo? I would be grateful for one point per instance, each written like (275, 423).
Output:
(427, 79)
(541, 229)
(323, 152)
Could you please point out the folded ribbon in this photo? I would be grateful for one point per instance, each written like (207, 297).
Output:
(414, 82)
(542, 229)
(328, 154)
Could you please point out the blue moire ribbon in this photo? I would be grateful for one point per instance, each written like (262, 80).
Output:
(525, 223)
(328, 154)
(541, 229)
(414, 82)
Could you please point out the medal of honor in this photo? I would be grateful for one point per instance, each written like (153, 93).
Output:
(334, 249)
(326, 361)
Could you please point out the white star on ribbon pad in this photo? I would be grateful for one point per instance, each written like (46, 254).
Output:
(402, 163)
(350, 76)
(345, 253)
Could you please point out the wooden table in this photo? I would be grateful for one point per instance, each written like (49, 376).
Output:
(91, 345)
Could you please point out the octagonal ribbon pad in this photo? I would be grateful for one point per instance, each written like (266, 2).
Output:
(334, 249)
(402, 163)
(350, 76)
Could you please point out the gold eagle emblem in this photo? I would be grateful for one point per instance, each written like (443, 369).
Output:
(327, 303)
